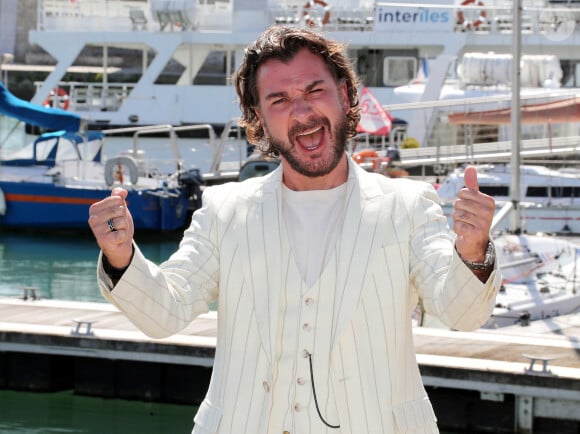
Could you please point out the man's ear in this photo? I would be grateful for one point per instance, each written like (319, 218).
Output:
(260, 117)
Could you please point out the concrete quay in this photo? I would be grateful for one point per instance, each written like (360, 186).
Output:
(513, 380)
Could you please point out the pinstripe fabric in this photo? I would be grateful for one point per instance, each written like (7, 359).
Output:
(394, 248)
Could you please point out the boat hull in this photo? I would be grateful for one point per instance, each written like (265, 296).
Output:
(47, 206)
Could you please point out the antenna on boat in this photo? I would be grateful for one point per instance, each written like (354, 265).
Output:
(516, 116)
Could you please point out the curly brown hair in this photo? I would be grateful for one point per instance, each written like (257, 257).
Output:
(282, 43)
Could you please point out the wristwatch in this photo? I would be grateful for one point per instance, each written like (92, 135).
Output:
(487, 263)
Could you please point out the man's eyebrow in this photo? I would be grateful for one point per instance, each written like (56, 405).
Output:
(275, 95)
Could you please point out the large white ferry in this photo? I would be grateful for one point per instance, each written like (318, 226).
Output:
(183, 52)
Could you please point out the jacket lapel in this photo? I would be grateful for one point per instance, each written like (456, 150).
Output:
(261, 254)
(364, 231)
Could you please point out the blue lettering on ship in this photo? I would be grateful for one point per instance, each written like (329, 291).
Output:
(420, 16)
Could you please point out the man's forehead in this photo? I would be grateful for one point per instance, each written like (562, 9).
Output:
(300, 71)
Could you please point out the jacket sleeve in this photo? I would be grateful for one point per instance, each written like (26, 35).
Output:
(161, 300)
(448, 289)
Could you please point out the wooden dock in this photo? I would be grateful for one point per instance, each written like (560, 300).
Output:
(528, 378)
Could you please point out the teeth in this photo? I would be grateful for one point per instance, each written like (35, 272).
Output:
(310, 139)
(312, 131)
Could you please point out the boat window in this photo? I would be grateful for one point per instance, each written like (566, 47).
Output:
(570, 191)
(495, 190)
(216, 68)
(537, 191)
(398, 70)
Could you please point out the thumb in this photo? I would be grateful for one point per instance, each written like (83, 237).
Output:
(470, 178)
(121, 192)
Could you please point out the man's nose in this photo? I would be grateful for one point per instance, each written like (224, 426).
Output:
(301, 108)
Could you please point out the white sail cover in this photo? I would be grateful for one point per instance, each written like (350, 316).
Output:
(495, 69)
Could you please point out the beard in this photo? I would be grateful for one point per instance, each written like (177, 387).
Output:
(316, 167)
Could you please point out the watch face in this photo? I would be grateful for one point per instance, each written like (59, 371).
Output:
(556, 24)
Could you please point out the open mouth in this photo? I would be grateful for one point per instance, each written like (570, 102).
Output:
(311, 139)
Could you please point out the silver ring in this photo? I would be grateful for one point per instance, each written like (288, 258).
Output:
(111, 225)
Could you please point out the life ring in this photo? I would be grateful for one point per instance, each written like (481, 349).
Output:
(365, 156)
(481, 15)
(309, 20)
(59, 96)
(114, 170)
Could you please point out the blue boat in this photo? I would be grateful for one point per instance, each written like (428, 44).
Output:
(51, 183)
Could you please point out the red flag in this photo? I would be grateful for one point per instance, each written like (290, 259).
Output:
(374, 118)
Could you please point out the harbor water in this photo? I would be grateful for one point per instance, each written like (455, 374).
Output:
(64, 412)
(63, 266)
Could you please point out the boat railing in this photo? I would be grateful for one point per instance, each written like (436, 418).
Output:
(537, 16)
(494, 151)
(133, 15)
(341, 18)
(217, 145)
(492, 16)
(89, 97)
(103, 14)
(138, 133)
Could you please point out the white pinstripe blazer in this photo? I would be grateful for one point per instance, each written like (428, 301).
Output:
(395, 247)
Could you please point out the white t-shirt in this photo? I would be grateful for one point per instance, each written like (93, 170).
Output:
(313, 221)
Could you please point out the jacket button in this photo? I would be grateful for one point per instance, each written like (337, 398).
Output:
(266, 386)
(297, 407)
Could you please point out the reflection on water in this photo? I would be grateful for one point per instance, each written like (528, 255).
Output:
(64, 412)
(62, 266)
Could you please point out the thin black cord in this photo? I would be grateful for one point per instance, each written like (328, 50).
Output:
(314, 393)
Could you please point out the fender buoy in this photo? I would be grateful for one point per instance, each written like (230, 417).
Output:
(58, 96)
(365, 155)
(308, 6)
(2, 203)
(481, 15)
(115, 167)
(410, 142)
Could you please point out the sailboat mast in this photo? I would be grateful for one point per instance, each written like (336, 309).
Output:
(516, 116)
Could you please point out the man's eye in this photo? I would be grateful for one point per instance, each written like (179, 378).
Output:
(315, 91)
(279, 101)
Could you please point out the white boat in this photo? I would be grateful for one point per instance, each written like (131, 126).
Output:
(549, 198)
(541, 279)
(539, 184)
(182, 53)
(51, 183)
